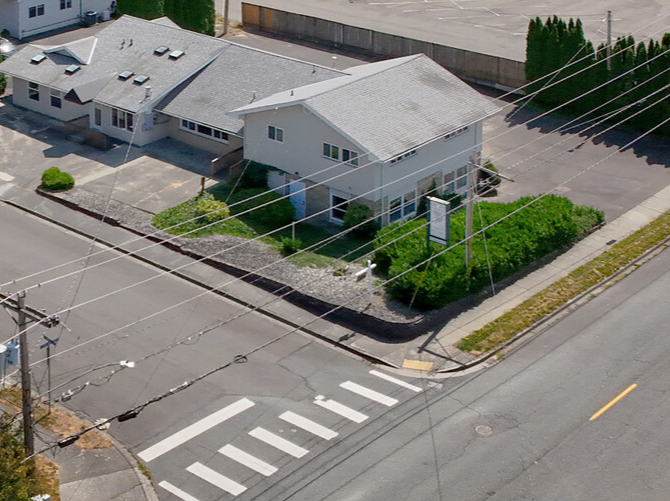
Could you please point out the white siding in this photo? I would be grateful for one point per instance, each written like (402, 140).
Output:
(144, 129)
(68, 111)
(54, 17)
(300, 153)
(202, 142)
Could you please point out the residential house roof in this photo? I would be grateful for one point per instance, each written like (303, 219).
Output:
(388, 107)
(240, 75)
(126, 44)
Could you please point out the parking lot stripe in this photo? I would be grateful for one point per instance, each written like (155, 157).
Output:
(308, 425)
(368, 393)
(393, 380)
(247, 460)
(278, 442)
(176, 491)
(342, 410)
(194, 430)
(215, 478)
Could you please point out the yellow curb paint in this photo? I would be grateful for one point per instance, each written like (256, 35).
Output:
(614, 401)
(418, 365)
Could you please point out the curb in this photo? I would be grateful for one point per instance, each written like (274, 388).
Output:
(570, 305)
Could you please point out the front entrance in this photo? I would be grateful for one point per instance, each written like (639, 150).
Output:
(298, 197)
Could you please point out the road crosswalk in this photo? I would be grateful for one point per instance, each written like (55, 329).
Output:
(264, 437)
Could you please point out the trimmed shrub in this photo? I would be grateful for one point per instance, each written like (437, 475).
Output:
(549, 224)
(290, 245)
(255, 176)
(53, 179)
(274, 215)
(209, 209)
(358, 214)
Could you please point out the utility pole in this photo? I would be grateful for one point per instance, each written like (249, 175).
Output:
(27, 406)
(25, 315)
(225, 17)
(609, 39)
(469, 207)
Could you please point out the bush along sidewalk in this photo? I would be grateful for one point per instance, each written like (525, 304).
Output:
(497, 332)
(517, 240)
(54, 179)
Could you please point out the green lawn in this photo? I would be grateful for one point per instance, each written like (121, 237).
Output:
(260, 222)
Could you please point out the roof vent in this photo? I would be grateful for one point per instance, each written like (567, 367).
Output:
(176, 54)
(159, 51)
(140, 79)
(38, 59)
(73, 68)
(125, 75)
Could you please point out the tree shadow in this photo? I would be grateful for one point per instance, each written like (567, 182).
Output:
(654, 148)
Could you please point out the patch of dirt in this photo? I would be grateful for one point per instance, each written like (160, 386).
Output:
(47, 471)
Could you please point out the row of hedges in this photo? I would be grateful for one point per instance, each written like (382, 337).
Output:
(551, 223)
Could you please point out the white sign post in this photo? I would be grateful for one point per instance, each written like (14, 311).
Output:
(439, 227)
(367, 271)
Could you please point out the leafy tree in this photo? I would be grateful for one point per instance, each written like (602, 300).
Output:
(146, 9)
(194, 15)
(18, 482)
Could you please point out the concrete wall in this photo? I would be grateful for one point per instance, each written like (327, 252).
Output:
(9, 16)
(473, 66)
(68, 111)
(53, 17)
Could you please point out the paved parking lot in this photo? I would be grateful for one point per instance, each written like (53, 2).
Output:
(495, 27)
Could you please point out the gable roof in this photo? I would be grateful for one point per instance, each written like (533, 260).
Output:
(239, 76)
(126, 44)
(388, 107)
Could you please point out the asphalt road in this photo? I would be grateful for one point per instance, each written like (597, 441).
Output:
(523, 429)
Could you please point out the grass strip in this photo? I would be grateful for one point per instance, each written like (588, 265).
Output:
(554, 296)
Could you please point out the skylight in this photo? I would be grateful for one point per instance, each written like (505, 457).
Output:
(176, 54)
(73, 68)
(161, 50)
(38, 59)
(140, 79)
(125, 75)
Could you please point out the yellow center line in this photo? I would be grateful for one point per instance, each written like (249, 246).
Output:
(614, 401)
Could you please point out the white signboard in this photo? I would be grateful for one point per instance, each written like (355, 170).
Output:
(438, 226)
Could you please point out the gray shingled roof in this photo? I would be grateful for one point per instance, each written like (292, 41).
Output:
(126, 44)
(233, 79)
(389, 107)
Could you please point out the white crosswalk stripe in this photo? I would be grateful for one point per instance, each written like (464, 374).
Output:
(215, 478)
(278, 442)
(176, 491)
(247, 460)
(308, 425)
(368, 393)
(194, 430)
(338, 408)
(393, 380)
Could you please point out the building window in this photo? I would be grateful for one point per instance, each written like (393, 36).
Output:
(65, 4)
(97, 117)
(350, 157)
(402, 207)
(203, 130)
(395, 210)
(449, 182)
(275, 133)
(37, 10)
(56, 98)
(122, 120)
(331, 151)
(461, 177)
(405, 155)
(33, 91)
(338, 207)
(409, 204)
(456, 132)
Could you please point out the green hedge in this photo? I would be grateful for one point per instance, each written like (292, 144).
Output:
(274, 215)
(53, 179)
(549, 224)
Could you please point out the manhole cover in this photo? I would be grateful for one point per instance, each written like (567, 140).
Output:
(483, 430)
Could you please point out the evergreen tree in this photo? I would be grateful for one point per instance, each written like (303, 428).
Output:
(146, 9)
